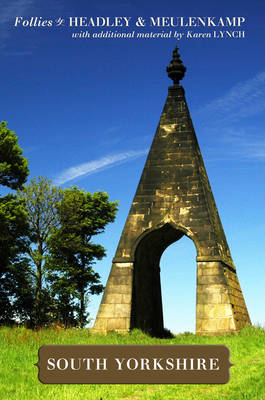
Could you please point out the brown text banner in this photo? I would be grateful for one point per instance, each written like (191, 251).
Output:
(134, 364)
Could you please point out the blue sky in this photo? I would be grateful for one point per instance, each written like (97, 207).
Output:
(85, 111)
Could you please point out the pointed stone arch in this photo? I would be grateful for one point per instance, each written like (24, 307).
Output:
(147, 310)
(174, 197)
(163, 225)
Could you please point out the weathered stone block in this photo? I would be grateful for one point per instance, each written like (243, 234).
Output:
(123, 310)
(119, 280)
(209, 298)
(211, 279)
(100, 324)
(126, 298)
(116, 324)
(217, 311)
(106, 310)
(213, 288)
(122, 289)
(212, 271)
(115, 298)
(215, 325)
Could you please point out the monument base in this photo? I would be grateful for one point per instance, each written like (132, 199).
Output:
(220, 306)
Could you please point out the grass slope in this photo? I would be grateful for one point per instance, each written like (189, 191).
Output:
(19, 352)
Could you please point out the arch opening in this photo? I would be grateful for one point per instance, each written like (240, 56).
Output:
(178, 286)
(147, 310)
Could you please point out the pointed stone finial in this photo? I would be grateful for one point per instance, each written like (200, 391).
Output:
(176, 70)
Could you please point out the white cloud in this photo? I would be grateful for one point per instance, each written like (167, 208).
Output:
(244, 145)
(229, 120)
(10, 10)
(15, 9)
(111, 129)
(92, 167)
(242, 100)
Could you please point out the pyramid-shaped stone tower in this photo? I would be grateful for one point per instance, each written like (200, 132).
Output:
(173, 198)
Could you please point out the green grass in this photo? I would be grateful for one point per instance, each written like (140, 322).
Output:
(19, 381)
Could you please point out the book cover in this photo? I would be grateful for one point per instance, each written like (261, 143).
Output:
(83, 86)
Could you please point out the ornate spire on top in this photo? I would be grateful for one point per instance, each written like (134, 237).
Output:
(176, 70)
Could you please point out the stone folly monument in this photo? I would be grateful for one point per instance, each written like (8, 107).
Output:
(173, 198)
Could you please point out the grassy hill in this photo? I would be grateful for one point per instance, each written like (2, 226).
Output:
(19, 376)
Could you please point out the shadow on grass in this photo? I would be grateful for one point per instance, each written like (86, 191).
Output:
(165, 334)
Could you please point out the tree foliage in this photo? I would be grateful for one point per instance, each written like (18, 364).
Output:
(14, 228)
(15, 284)
(72, 252)
(40, 201)
(46, 247)
(13, 166)
(16, 299)
(13, 173)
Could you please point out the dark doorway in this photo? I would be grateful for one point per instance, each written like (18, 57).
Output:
(147, 311)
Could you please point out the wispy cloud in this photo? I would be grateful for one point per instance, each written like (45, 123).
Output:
(230, 121)
(111, 129)
(244, 145)
(10, 10)
(242, 100)
(92, 167)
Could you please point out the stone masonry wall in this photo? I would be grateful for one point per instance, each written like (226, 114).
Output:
(173, 198)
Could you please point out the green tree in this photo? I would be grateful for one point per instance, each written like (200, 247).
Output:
(13, 166)
(41, 200)
(15, 279)
(18, 283)
(72, 253)
(14, 228)
(65, 306)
